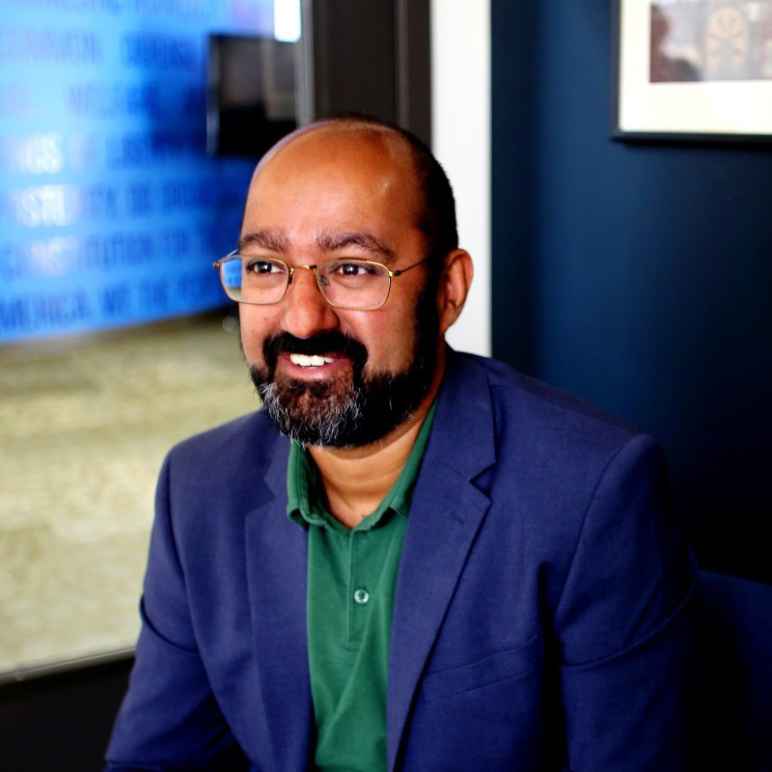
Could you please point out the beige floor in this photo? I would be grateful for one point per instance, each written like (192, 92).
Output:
(84, 425)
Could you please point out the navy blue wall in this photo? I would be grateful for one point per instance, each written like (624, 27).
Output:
(636, 276)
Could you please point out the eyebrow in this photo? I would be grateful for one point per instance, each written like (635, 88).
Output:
(335, 241)
(275, 241)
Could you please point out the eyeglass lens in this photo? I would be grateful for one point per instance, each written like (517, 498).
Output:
(350, 283)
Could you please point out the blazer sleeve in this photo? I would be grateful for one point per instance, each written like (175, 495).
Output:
(169, 718)
(623, 628)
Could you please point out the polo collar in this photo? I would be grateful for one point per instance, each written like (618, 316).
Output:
(305, 497)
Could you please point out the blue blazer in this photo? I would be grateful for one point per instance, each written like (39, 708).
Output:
(539, 616)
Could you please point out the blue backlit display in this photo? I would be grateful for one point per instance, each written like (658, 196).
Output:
(110, 212)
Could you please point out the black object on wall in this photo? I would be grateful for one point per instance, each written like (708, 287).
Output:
(636, 276)
(251, 93)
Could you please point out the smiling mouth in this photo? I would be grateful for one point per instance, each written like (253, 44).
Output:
(304, 360)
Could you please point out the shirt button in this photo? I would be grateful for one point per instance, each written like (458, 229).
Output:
(361, 596)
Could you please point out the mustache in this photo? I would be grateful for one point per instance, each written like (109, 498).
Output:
(330, 342)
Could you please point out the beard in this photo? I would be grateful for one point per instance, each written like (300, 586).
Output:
(351, 409)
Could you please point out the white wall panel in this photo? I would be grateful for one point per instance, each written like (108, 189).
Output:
(461, 142)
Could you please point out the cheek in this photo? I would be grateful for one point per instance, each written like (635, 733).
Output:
(256, 325)
(389, 339)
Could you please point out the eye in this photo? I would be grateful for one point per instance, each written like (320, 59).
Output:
(354, 270)
(263, 267)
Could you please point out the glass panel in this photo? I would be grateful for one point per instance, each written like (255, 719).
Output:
(84, 426)
(112, 214)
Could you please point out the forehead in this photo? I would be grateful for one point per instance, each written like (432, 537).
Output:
(333, 178)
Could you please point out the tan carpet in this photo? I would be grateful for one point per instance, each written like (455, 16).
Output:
(84, 425)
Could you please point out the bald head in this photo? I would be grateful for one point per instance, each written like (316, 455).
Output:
(365, 143)
(387, 138)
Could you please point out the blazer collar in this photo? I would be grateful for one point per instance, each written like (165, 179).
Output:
(463, 432)
(446, 512)
(276, 557)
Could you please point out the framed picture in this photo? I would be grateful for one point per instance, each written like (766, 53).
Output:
(692, 69)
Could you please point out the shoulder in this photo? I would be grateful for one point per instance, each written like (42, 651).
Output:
(223, 453)
(585, 501)
(538, 419)
(226, 437)
(555, 457)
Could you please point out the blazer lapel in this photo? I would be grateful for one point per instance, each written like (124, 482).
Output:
(446, 512)
(276, 569)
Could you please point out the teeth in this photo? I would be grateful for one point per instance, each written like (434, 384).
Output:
(309, 361)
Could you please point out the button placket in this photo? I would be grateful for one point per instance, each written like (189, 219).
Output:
(359, 595)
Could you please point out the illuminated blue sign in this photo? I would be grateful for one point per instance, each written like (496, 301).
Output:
(110, 212)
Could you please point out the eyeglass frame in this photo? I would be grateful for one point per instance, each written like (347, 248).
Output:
(314, 268)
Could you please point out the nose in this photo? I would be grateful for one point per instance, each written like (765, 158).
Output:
(305, 310)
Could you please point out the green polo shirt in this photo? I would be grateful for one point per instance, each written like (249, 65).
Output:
(351, 581)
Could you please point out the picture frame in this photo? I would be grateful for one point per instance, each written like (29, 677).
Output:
(698, 70)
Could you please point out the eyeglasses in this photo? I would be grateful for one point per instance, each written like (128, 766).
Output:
(348, 283)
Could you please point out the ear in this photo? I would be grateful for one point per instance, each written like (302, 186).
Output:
(454, 287)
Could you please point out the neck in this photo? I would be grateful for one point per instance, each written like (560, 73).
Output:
(355, 480)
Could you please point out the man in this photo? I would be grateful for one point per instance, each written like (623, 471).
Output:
(410, 559)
